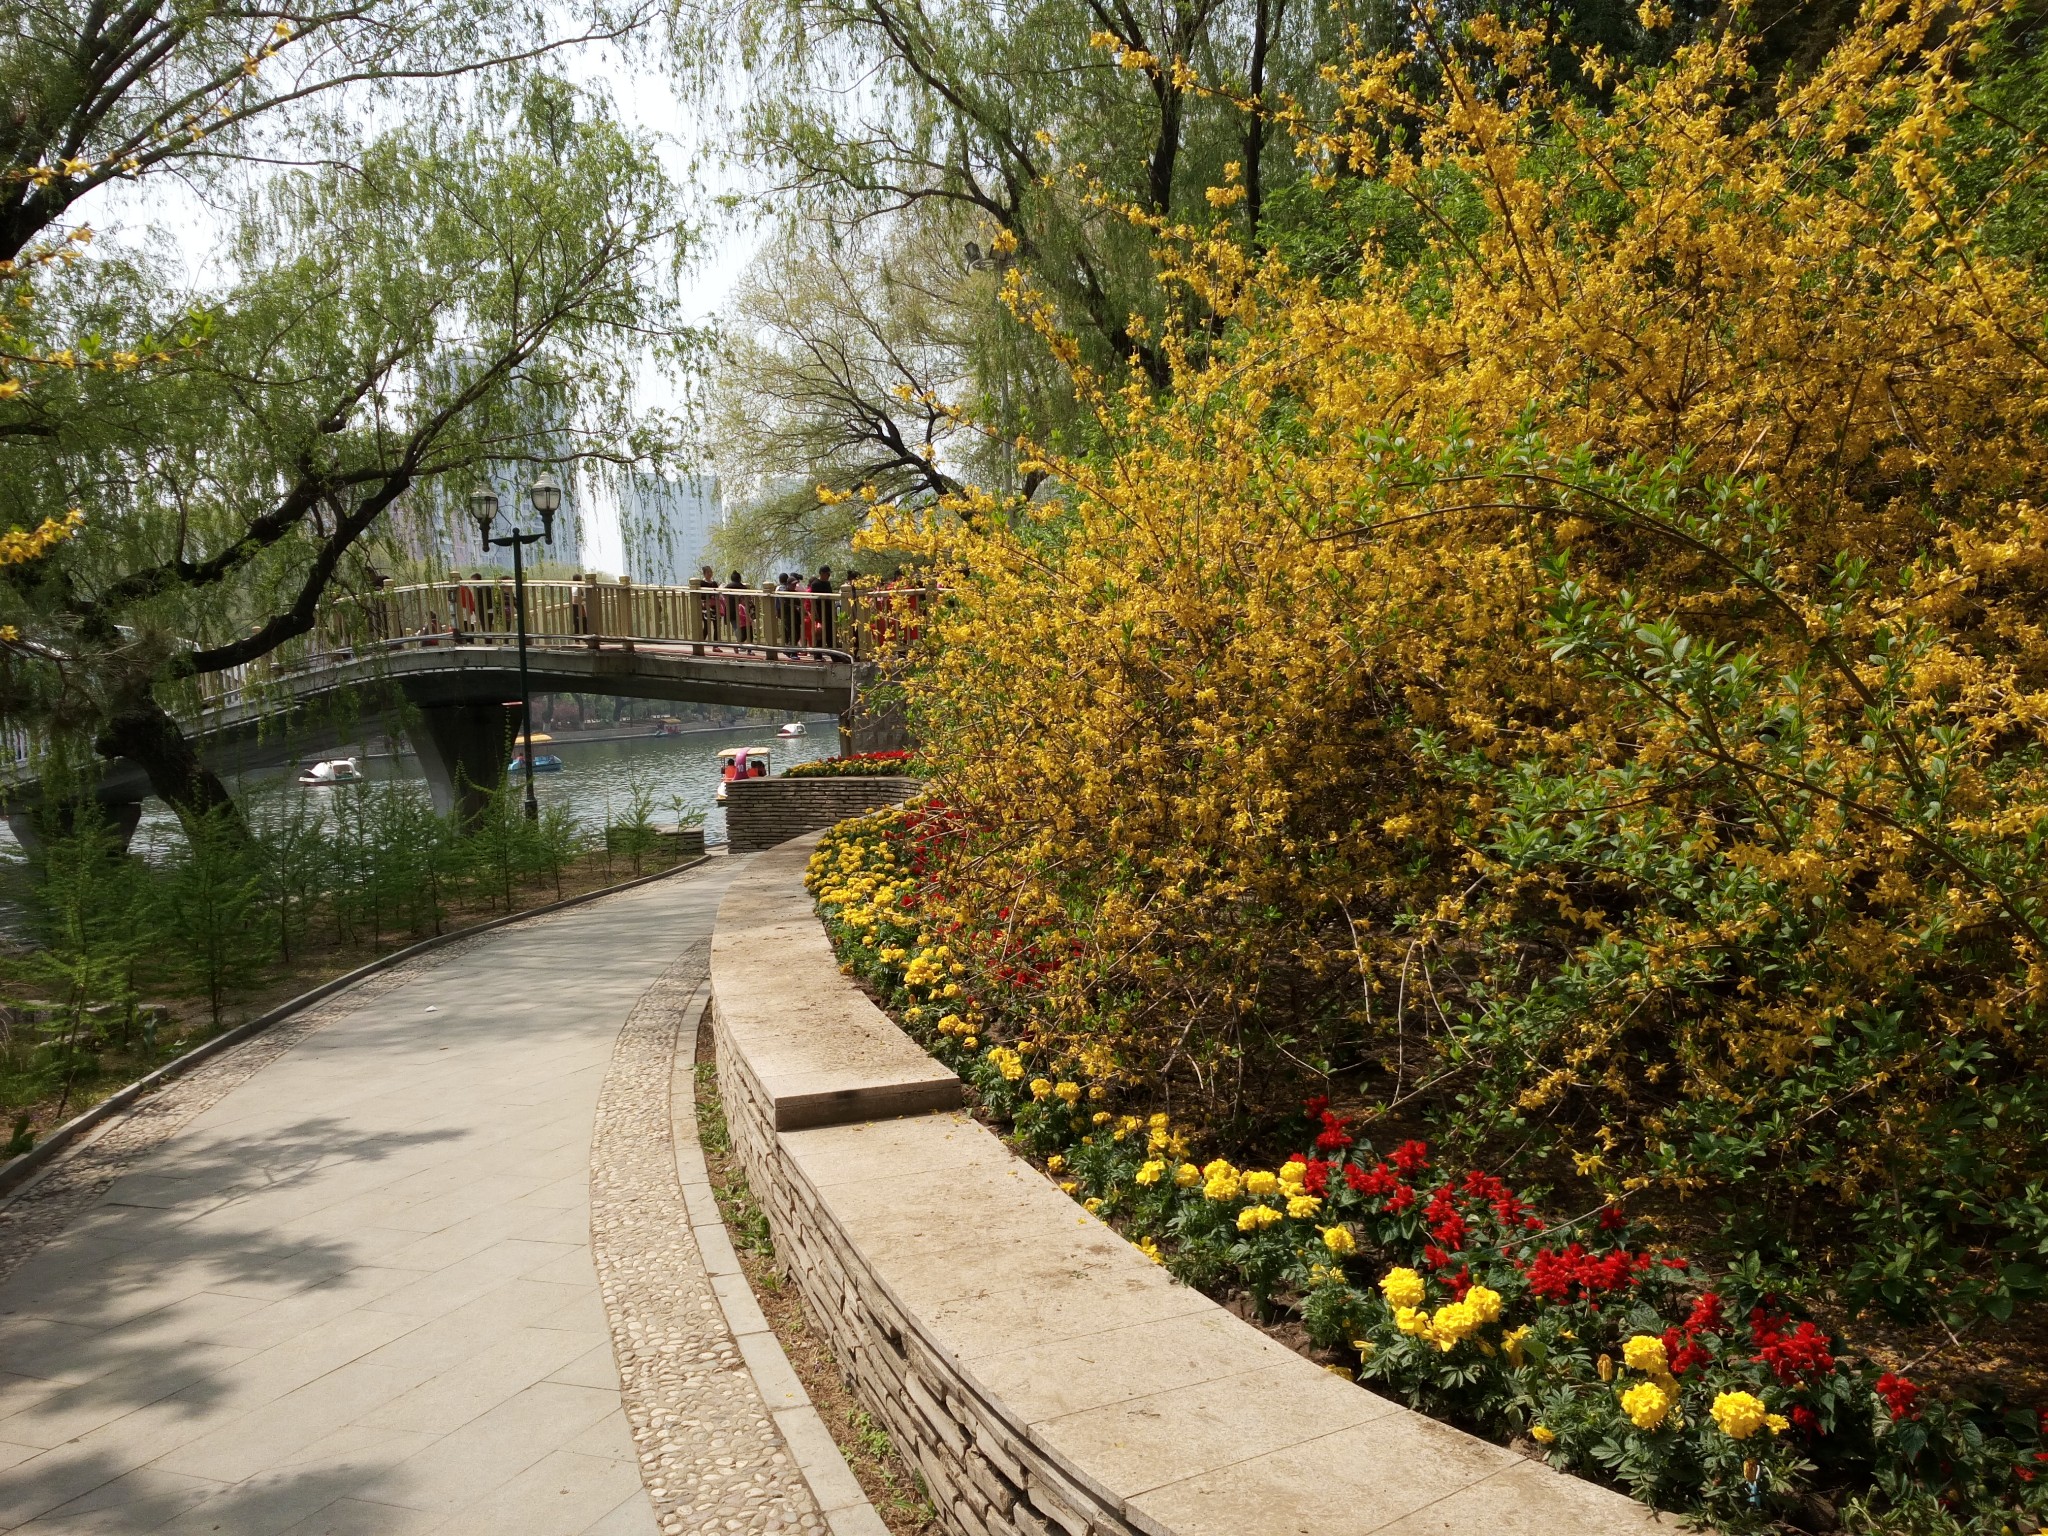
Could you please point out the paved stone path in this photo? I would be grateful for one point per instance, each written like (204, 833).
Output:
(342, 1281)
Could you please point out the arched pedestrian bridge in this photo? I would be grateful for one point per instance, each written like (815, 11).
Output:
(441, 661)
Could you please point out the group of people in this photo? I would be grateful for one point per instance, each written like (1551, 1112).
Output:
(801, 611)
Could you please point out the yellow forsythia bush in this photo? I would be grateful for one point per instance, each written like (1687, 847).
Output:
(1585, 676)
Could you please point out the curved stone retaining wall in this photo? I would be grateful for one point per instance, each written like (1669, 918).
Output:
(759, 813)
(1045, 1376)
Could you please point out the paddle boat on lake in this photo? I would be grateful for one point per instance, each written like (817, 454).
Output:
(331, 771)
(736, 763)
(543, 762)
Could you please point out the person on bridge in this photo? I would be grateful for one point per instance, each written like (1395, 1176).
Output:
(742, 618)
(711, 615)
(786, 625)
(822, 625)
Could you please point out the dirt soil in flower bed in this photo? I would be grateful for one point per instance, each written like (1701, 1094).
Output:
(188, 1022)
(891, 1484)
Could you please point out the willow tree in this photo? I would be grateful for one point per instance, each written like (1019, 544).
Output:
(434, 255)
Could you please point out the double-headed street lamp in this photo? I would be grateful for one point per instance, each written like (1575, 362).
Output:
(546, 496)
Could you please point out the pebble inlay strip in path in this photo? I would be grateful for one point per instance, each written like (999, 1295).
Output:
(712, 1457)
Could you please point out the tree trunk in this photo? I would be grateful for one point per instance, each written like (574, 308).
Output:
(140, 729)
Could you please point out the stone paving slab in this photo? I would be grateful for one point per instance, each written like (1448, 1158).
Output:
(814, 1056)
(344, 1278)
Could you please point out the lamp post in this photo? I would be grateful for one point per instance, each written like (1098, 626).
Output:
(546, 496)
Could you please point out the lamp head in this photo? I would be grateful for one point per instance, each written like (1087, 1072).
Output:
(546, 496)
(483, 506)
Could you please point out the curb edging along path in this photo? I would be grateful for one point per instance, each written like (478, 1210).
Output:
(43, 1189)
(1042, 1373)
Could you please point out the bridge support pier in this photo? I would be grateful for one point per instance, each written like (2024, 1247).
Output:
(463, 748)
(34, 827)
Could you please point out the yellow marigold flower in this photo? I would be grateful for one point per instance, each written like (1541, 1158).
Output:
(1454, 1320)
(1340, 1241)
(1260, 1182)
(1101, 1117)
(1222, 1189)
(1402, 1288)
(1511, 1345)
(1777, 1423)
(1412, 1320)
(1092, 1204)
(1301, 1207)
(1187, 1175)
(1040, 1088)
(1151, 1172)
(1007, 1062)
(1256, 1218)
(1646, 1404)
(1151, 1250)
(1606, 1367)
(1485, 1302)
(1157, 1122)
(1055, 1163)
(1542, 1434)
(1645, 1353)
(1067, 1093)
(1292, 1173)
(1068, 1186)
(1740, 1414)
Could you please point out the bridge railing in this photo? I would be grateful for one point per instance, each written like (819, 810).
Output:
(857, 623)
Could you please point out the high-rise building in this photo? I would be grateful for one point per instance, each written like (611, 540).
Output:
(650, 527)
(666, 524)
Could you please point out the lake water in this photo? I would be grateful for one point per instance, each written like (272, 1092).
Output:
(597, 782)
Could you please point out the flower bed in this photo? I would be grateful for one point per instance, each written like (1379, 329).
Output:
(860, 765)
(1444, 1287)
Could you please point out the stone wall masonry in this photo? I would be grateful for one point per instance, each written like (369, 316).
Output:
(1042, 1374)
(760, 813)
